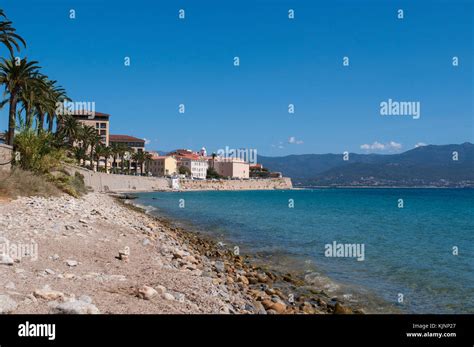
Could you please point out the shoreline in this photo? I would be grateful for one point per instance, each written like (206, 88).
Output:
(99, 254)
(290, 283)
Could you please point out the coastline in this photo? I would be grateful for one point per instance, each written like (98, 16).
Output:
(292, 286)
(82, 265)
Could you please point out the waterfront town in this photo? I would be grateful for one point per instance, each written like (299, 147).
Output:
(127, 154)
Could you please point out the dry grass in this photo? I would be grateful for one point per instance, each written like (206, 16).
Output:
(24, 183)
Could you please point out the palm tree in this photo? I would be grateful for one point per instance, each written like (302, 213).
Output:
(214, 155)
(92, 140)
(114, 152)
(79, 154)
(100, 151)
(148, 157)
(8, 36)
(107, 153)
(34, 96)
(16, 78)
(139, 158)
(70, 130)
(121, 151)
(58, 95)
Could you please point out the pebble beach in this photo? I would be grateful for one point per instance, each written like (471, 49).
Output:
(99, 254)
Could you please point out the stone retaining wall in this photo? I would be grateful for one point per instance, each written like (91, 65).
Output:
(6, 155)
(102, 182)
(251, 184)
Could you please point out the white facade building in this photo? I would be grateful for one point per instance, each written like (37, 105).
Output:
(197, 166)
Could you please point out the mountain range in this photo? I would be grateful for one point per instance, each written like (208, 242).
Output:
(431, 165)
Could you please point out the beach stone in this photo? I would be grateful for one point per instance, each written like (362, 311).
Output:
(6, 260)
(262, 278)
(220, 266)
(7, 304)
(71, 263)
(279, 307)
(146, 292)
(267, 304)
(178, 254)
(243, 279)
(48, 294)
(160, 289)
(259, 308)
(10, 285)
(75, 307)
(340, 309)
(85, 298)
(190, 259)
(168, 296)
(124, 254)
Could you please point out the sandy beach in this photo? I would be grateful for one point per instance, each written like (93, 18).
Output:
(96, 254)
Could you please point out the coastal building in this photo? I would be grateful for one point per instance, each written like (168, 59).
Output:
(258, 171)
(97, 120)
(230, 167)
(163, 165)
(136, 144)
(196, 163)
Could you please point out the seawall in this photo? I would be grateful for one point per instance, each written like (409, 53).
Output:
(251, 184)
(102, 182)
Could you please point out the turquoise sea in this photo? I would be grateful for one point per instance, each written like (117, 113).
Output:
(409, 253)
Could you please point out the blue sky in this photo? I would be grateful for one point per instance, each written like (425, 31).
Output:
(282, 61)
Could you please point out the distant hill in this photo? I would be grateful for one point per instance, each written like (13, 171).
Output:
(431, 165)
(159, 152)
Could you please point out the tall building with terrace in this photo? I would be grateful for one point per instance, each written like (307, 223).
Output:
(136, 144)
(97, 120)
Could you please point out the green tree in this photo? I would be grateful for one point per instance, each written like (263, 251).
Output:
(184, 170)
(8, 35)
(100, 151)
(139, 157)
(70, 130)
(15, 78)
(212, 173)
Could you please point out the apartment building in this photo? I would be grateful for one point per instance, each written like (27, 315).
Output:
(136, 144)
(163, 166)
(97, 120)
(230, 167)
(197, 164)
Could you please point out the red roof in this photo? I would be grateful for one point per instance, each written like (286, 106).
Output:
(124, 138)
(191, 156)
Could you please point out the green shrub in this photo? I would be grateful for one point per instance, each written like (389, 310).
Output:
(38, 152)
